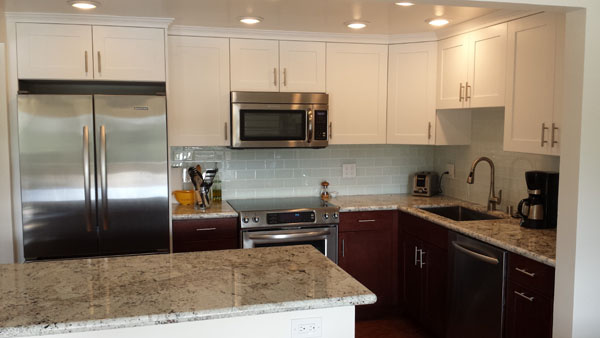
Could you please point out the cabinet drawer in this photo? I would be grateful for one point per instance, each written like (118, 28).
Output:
(206, 229)
(424, 230)
(206, 245)
(531, 274)
(362, 221)
(528, 313)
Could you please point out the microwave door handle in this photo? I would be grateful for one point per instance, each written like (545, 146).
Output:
(309, 118)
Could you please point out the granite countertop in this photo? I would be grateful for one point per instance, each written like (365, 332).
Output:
(506, 233)
(216, 210)
(107, 293)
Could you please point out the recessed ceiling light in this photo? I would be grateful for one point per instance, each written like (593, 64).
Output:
(405, 4)
(438, 22)
(356, 24)
(250, 20)
(84, 4)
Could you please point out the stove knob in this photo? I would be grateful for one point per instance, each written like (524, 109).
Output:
(325, 216)
(246, 219)
(256, 219)
(336, 215)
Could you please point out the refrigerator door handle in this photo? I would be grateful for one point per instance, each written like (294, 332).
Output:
(103, 177)
(86, 179)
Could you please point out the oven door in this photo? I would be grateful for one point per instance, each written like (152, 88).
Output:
(271, 125)
(323, 239)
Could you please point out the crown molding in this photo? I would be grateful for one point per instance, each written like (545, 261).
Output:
(224, 32)
(491, 19)
(88, 19)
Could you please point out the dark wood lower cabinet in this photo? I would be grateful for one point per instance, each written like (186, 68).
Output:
(368, 251)
(528, 313)
(205, 234)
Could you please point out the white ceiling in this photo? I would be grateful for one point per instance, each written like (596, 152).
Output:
(290, 15)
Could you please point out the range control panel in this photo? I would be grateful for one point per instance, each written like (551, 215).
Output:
(266, 219)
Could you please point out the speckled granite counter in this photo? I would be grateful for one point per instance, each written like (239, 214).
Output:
(216, 210)
(539, 245)
(107, 293)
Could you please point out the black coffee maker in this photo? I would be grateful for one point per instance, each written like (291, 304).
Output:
(540, 210)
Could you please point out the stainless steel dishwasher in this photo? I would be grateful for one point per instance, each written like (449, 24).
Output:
(476, 288)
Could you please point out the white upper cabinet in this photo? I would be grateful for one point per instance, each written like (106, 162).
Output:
(302, 66)
(84, 52)
(129, 54)
(254, 65)
(198, 91)
(487, 67)
(411, 93)
(452, 72)
(357, 87)
(531, 114)
(47, 51)
(472, 68)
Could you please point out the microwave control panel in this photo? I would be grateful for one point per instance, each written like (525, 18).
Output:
(321, 125)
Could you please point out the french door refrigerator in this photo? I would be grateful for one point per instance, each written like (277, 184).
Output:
(93, 175)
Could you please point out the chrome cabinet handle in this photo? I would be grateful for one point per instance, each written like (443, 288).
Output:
(476, 255)
(86, 61)
(523, 271)
(343, 248)
(467, 92)
(275, 77)
(225, 131)
(309, 117)
(99, 63)
(285, 77)
(365, 220)
(330, 130)
(544, 128)
(421, 258)
(524, 296)
(460, 93)
(86, 179)
(103, 183)
(552, 136)
(429, 130)
(206, 229)
(416, 255)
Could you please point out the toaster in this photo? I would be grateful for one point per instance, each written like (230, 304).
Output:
(425, 183)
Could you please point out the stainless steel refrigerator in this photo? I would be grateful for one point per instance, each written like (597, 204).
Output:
(93, 175)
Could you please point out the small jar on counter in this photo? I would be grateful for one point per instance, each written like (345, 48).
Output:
(217, 193)
(325, 196)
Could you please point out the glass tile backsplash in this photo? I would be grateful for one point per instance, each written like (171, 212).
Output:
(248, 173)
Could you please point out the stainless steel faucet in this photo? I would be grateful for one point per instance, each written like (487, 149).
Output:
(493, 200)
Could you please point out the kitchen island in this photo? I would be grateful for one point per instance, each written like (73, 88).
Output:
(264, 292)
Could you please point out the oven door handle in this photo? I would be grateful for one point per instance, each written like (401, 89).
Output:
(285, 236)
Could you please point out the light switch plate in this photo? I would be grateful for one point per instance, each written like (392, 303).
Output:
(450, 169)
(349, 170)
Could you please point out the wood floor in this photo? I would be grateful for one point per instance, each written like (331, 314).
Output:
(389, 328)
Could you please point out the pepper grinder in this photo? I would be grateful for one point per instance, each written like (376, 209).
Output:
(325, 196)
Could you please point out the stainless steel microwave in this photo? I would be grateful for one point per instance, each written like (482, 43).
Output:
(279, 120)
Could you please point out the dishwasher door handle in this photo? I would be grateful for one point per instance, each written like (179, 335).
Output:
(476, 255)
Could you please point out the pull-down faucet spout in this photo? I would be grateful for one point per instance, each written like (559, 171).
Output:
(493, 200)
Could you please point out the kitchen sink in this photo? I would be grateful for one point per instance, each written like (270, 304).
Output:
(459, 213)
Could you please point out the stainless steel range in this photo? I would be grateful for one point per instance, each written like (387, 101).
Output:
(288, 221)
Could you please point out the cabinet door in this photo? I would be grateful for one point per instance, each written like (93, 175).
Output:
(198, 91)
(57, 52)
(129, 54)
(452, 72)
(367, 256)
(528, 314)
(254, 65)
(530, 84)
(411, 93)
(357, 87)
(487, 67)
(412, 276)
(302, 66)
(205, 235)
(435, 282)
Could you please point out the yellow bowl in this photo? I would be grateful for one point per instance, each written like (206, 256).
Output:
(184, 197)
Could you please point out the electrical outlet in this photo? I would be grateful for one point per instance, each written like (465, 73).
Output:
(450, 169)
(306, 328)
(349, 170)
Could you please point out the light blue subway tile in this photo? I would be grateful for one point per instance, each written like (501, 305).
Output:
(284, 173)
(256, 164)
(235, 165)
(265, 174)
(292, 164)
(274, 164)
(245, 174)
